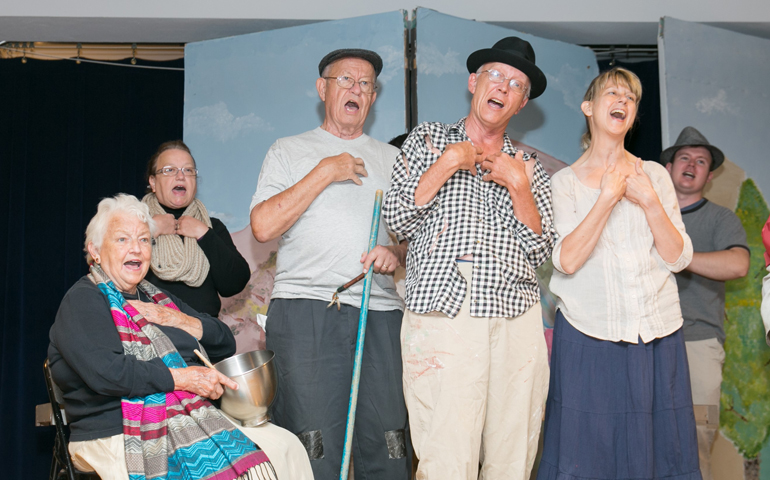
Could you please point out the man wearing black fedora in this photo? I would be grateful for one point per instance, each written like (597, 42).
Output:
(721, 253)
(478, 216)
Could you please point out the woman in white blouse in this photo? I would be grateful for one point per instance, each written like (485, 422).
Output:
(619, 405)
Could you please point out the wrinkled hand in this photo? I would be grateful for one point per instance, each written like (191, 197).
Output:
(509, 172)
(165, 224)
(384, 260)
(191, 227)
(168, 317)
(613, 184)
(202, 381)
(344, 167)
(639, 188)
(464, 155)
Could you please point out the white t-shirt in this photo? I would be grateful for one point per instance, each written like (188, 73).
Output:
(322, 250)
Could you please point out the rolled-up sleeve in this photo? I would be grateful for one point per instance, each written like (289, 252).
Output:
(565, 216)
(399, 210)
(670, 203)
(539, 247)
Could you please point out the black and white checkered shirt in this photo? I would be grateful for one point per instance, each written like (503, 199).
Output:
(467, 216)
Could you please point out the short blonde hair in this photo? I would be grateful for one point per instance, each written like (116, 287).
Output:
(120, 203)
(617, 76)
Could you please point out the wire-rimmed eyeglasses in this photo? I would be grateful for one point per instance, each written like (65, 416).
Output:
(367, 86)
(497, 77)
(170, 171)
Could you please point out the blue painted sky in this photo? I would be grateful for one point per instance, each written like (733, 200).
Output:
(552, 123)
(242, 93)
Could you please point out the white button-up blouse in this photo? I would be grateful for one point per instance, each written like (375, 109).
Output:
(625, 290)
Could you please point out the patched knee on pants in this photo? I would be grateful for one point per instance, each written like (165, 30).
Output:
(313, 441)
(396, 441)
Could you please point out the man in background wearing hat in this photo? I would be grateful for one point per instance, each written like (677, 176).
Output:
(316, 192)
(478, 216)
(721, 253)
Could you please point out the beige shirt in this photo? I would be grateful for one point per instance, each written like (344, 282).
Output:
(625, 290)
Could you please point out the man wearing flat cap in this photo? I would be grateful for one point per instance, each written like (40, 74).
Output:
(721, 253)
(478, 216)
(316, 192)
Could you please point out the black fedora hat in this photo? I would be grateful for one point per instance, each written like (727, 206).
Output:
(515, 52)
(690, 137)
(361, 53)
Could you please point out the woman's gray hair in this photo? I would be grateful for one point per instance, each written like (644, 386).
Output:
(120, 203)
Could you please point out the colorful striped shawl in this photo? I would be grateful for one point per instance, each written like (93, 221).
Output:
(175, 435)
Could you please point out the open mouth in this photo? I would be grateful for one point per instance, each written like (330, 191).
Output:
(619, 114)
(133, 264)
(495, 103)
(351, 106)
(688, 174)
(179, 189)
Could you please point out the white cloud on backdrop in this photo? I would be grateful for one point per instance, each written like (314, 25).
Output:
(571, 83)
(432, 61)
(715, 104)
(216, 121)
(392, 62)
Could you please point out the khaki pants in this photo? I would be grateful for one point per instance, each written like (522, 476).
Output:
(107, 456)
(475, 390)
(706, 358)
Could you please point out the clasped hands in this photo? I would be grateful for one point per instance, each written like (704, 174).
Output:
(636, 186)
(501, 168)
(186, 226)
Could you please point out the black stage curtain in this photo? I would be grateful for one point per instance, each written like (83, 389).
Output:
(644, 140)
(72, 134)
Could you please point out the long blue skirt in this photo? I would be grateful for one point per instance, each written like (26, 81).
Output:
(618, 410)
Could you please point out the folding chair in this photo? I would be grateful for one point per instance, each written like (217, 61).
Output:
(61, 464)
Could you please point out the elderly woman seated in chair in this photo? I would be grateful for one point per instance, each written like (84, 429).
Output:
(136, 395)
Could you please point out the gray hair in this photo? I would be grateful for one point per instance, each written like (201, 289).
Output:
(529, 83)
(120, 203)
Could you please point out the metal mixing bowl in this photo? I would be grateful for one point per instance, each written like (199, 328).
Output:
(255, 374)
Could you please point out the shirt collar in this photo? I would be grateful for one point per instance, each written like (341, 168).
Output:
(459, 127)
(694, 207)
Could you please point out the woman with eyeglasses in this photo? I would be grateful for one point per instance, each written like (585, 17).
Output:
(193, 255)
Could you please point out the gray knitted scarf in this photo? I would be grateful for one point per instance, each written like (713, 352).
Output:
(175, 259)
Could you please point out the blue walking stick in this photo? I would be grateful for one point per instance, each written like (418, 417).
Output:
(360, 342)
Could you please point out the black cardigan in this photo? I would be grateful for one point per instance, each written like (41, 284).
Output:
(88, 364)
(228, 273)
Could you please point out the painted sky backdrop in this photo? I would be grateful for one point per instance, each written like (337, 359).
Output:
(242, 93)
(717, 81)
(552, 123)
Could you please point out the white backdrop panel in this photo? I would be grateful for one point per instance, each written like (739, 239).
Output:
(717, 81)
